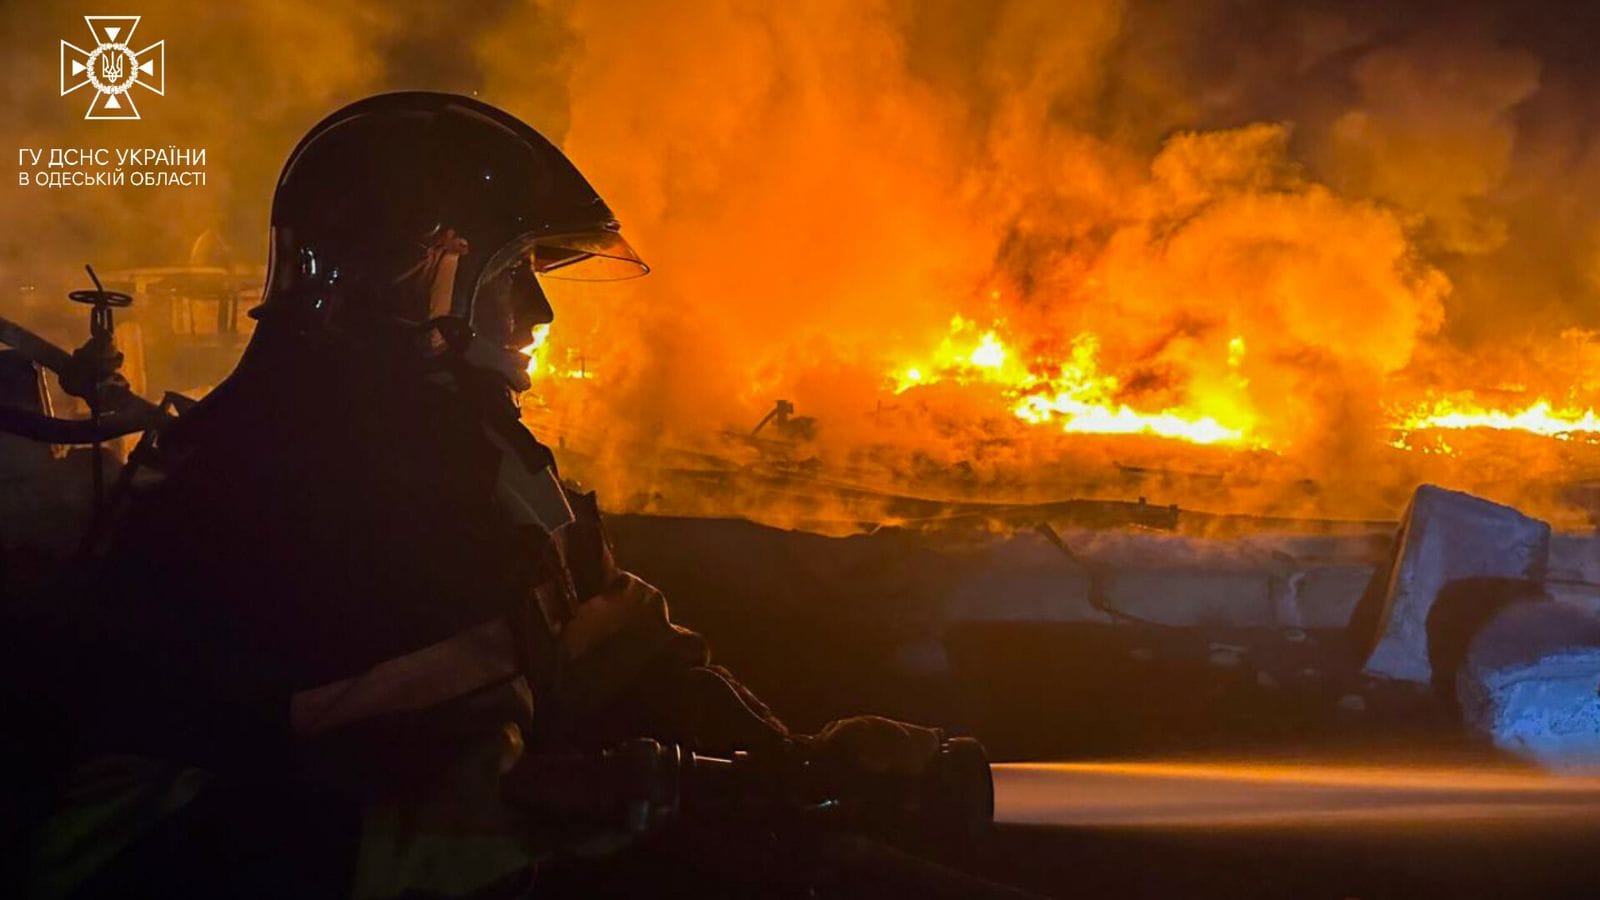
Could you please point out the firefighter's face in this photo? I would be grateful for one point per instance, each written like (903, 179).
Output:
(509, 305)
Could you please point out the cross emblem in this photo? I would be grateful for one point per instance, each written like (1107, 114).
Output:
(113, 68)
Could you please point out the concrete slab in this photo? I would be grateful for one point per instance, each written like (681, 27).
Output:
(1446, 536)
(1198, 598)
(1575, 557)
(1321, 596)
(1582, 595)
(1529, 684)
(1022, 577)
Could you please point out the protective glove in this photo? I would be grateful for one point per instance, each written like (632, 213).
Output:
(878, 745)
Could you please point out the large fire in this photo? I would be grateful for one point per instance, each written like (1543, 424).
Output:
(1001, 257)
(1075, 395)
(1001, 252)
(1061, 394)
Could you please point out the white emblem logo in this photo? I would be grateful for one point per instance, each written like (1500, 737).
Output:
(112, 68)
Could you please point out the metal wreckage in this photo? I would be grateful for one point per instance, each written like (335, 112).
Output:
(337, 629)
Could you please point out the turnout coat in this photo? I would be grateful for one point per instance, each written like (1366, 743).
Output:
(358, 589)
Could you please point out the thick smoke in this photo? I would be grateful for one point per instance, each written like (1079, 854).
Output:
(1294, 216)
(823, 186)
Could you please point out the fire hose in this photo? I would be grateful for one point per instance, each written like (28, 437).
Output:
(643, 784)
(777, 823)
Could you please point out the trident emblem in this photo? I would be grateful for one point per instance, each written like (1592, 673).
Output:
(113, 68)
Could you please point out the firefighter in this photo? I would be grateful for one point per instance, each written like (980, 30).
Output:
(367, 588)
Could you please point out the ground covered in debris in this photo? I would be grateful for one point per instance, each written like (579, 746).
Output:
(1046, 644)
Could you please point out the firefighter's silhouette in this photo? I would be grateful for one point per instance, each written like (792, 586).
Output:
(361, 570)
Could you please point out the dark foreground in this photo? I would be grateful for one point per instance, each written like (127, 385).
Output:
(1335, 862)
(819, 643)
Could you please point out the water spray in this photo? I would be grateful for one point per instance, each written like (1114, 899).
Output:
(1248, 794)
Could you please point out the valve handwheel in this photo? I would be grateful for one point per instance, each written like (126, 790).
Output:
(103, 301)
(98, 297)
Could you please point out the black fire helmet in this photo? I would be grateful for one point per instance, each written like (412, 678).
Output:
(373, 194)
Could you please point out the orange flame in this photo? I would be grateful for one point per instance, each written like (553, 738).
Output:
(541, 363)
(1073, 394)
(1540, 417)
(536, 350)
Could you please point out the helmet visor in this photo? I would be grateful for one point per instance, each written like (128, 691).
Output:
(600, 255)
(597, 255)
